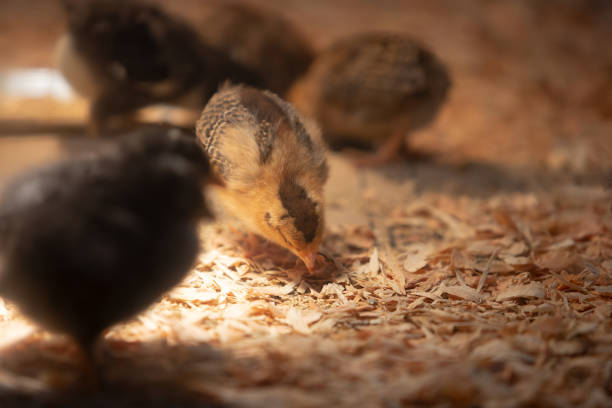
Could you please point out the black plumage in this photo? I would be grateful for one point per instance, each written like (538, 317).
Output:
(93, 240)
(126, 54)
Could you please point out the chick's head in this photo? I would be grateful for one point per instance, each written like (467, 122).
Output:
(288, 214)
(295, 216)
(285, 206)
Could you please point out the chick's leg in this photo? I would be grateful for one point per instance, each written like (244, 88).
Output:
(88, 364)
(384, 154)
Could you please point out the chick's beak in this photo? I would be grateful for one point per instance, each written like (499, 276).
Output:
(310, 259)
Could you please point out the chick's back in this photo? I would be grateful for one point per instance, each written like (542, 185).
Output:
(245, 131)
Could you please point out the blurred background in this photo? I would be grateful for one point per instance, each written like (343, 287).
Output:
(532, 79)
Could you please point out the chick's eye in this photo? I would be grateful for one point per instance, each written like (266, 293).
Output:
(284, 217)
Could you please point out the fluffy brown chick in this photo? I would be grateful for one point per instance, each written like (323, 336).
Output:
(125, 54)
(372, 89)
(271, 163)
(260, 39)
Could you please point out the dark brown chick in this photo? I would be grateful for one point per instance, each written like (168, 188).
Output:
(124, 55)
(271, 163)
(91, 241)
(373, 89)
(260, 39)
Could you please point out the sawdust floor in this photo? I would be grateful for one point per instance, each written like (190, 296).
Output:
(479, 276)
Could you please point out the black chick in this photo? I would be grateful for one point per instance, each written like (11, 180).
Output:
(124, 55)
(88, 242)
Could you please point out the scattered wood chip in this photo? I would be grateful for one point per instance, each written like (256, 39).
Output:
(463, 292)
(531, 290)
(300, 320)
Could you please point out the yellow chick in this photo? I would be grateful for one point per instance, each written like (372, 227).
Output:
(372, 89)
(271, 163)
